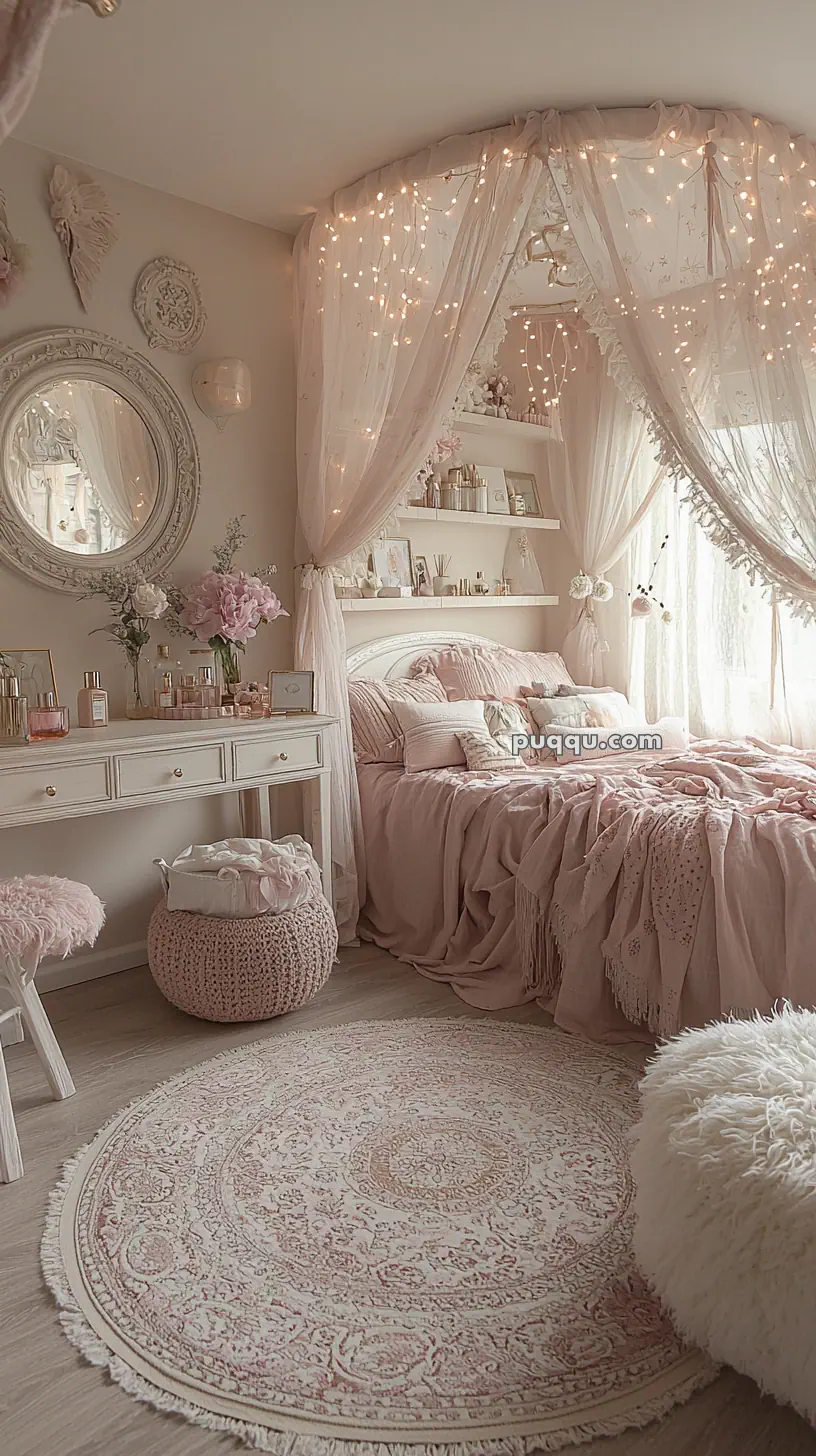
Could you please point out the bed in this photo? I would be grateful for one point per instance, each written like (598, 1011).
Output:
(631, 896)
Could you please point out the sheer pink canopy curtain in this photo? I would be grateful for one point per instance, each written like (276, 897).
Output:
(395, 283)
(603, 478)
(694, 239)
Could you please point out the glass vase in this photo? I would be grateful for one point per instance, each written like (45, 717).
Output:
(229, 673)
(138, 688)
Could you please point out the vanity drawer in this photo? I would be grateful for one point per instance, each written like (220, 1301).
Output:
(53, 787)
(257, 760)
(161, 772)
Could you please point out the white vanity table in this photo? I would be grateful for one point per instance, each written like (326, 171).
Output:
(131, 764)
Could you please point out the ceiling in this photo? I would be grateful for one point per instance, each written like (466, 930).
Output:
(262, 108)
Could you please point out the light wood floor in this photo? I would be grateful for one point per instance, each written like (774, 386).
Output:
(120, 1038)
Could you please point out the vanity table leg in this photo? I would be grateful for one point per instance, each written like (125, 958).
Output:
(39, 1028)
(317, 823)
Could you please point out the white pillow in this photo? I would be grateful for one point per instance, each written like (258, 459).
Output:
(597, 709)
(430, 731)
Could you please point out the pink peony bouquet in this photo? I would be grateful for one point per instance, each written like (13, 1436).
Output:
(230, 605)
(225, 607)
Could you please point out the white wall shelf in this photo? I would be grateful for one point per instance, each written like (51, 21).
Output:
(493, 425)
(478, 518)
(435, 604)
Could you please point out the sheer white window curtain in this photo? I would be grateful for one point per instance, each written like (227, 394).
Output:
(603, 479)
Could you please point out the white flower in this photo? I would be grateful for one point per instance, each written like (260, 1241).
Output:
(148, 600)
(641, 607)
(580, 586)
(602, 590)
(667, 617)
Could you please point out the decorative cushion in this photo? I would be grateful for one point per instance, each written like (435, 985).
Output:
(376, 734)
(483, 752)
(468, 672)
(506, 718)
(45, 915)
(607, 709)
(242, 970)
(430, 731)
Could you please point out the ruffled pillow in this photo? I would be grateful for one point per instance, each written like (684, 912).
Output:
(469, 672)
(375, 732)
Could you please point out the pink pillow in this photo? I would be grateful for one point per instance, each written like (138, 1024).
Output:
(467, 672)
(376, 734)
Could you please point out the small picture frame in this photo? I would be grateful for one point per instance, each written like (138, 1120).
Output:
(524, 484)
(291, 692)
(392, 561)
(34, 669)
(498, 503)
(422, 575)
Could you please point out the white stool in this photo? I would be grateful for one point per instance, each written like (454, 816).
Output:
(39, 915)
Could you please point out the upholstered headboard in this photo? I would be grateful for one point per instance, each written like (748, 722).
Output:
(391, 657)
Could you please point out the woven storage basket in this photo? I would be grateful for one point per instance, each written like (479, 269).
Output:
(242, 970)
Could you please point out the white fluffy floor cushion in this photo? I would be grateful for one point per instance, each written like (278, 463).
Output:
(725, 1166)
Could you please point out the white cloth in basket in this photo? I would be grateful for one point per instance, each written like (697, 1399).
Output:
(235, 878)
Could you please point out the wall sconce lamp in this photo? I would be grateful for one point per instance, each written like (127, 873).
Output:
(221, 388)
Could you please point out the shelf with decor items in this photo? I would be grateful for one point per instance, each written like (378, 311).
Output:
(477, 518)
(501, 428)
(435, 604)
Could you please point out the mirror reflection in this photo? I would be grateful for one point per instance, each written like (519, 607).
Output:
(82, 467)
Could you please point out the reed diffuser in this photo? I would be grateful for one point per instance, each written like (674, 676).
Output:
(441, 582)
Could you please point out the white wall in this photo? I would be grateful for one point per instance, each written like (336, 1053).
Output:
(245, 275)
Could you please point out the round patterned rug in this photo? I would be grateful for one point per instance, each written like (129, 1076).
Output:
(403, 1233)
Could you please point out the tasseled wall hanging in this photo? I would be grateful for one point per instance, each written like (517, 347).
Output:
(84, 224)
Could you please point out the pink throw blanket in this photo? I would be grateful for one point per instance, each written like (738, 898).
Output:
(688, 886)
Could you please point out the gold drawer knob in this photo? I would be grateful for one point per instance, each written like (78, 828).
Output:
(50, 790)
(283, 757)
(178, 773)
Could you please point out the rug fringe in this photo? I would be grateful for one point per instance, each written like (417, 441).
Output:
(92, 1348)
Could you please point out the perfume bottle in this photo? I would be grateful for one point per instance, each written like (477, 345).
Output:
(13, 711)
(92, 703)
(48, 719)
(480, 586)
(210, 697)
(163, 678)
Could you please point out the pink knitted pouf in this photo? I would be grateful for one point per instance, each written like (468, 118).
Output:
(242, 970)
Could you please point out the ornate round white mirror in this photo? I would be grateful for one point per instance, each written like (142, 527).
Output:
(98, 463)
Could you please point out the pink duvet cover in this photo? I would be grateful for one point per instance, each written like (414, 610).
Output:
(670, 887)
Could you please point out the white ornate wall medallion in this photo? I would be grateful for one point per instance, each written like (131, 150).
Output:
(167, 303)
(84, 223)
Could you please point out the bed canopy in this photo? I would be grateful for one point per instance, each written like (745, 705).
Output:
(690, 235)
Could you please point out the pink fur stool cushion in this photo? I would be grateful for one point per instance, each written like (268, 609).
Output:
(43, 915)
(242, 970)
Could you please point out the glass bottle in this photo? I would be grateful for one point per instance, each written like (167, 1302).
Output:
(163, 680)
(13, 711)
(92, 703)
(48, 719)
